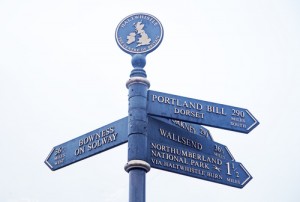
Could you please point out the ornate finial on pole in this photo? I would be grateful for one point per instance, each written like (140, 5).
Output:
(138, 35)
(138, 62)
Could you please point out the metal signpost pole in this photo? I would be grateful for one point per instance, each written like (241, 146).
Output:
(137, 165)
(138, 34)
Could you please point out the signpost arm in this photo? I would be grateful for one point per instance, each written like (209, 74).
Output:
(137, 165)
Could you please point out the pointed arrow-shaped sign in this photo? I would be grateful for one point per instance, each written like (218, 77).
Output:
(87, 145)
(200, 112)
(175, 150)
(165, 133)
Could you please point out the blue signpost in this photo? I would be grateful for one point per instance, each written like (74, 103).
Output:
(169, 134)
(200, 112)
(89, 144)
(176, 150)
(163, 131)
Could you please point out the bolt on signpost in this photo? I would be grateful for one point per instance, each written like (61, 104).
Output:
(163, 131)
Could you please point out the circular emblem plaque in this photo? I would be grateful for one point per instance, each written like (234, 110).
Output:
(139, 33)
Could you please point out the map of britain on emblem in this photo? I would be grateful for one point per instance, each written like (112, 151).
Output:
(139, 33)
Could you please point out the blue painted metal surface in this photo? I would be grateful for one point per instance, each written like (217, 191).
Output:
(190, 127)
(139, 33)
(176, 150)
(137, 185)
(137, 130)
(89, 144)
(165, 133)
(200, 112)
(137, 122)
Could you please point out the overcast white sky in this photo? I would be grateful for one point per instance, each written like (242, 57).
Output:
(63, 75)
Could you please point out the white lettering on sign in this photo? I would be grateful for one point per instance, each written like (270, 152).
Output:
(96, 140)
(181, 160)
(194, 164)
(59, 155)
(198, 111)
(177, 102)
(180, 139)
(194, 109)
